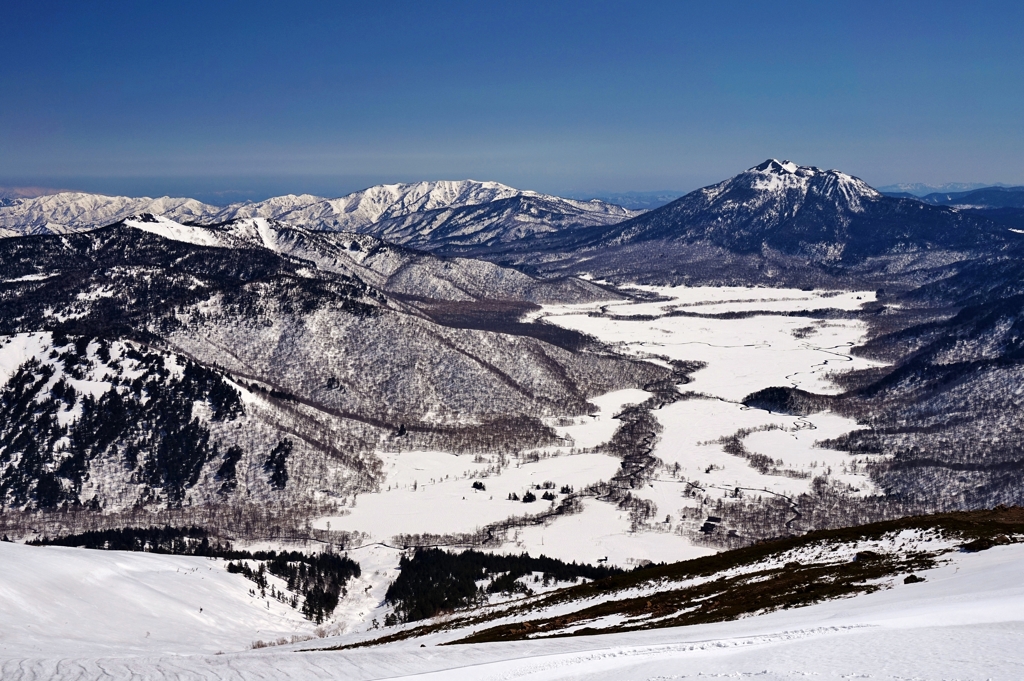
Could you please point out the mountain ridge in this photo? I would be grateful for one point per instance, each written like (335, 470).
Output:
(358, 211)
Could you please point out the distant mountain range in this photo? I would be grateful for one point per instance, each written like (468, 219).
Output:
(631, 200)
(921, 189)
(1003, 205)
(985, 197)
(427, 215)
(776, 222)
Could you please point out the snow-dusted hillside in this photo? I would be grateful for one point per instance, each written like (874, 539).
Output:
(381, 264)
(293, 373)
(119, 425)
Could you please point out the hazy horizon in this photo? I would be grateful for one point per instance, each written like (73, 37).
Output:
(242, 101)
(211, 191)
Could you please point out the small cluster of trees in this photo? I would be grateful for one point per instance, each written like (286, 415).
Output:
(319, 579)
(433, 580)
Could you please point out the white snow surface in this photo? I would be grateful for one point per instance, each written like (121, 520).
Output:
(743, 355)
(774, 176)
(58, 602)
(965, 621)
(72, 211)
(431, 492)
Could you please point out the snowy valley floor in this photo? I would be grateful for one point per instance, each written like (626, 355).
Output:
(431, 491)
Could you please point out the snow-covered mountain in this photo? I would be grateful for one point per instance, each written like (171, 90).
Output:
(479, 228)
(272, 368)
(823, 214)
(76, 211)
(777, 221)
(432, 215)
(424, 214)
(374, 204)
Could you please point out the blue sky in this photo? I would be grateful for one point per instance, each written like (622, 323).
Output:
(249, 99)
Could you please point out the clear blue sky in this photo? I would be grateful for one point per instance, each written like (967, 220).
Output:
(264, 98)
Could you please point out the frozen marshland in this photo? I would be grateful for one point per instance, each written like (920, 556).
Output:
(432, 491)
(71, 613)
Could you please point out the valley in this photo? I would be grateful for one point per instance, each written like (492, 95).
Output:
(431, 493)
(459, 412)
(748, 338)
(511, 341)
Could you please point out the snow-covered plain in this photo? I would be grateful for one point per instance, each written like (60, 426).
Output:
(431, 492)
(743, 354)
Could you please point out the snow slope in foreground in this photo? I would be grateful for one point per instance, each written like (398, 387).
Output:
(64, 602)
(965, 622)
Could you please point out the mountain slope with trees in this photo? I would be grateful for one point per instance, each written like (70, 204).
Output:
(259, 374)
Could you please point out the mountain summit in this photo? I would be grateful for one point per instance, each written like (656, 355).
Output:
(821, 216)
(777, 203)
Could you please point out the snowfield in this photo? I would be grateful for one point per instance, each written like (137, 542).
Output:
(964, 622)
(743, 355)
(432, 491)
(57, 602)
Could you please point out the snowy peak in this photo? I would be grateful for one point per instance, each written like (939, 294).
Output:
(77, 211)
(778, 190)
(778, 176)
(824, 216)
(777, 167)
(367, 207)
(365, 210)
